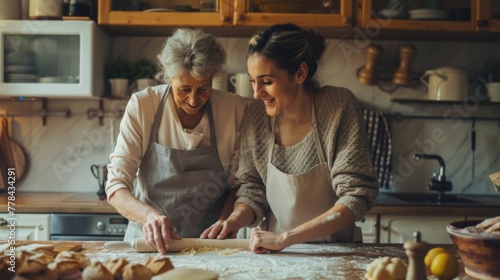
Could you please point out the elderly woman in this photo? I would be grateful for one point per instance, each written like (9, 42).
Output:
(181, 141)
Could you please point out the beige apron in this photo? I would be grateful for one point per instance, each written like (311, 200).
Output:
(188, 186)
(296, 199)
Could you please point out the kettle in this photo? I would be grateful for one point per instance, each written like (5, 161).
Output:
(100, 172)
(446, 84)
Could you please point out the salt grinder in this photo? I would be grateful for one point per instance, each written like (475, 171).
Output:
(416, 250)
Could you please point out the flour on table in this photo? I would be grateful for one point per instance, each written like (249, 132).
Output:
(299, 261)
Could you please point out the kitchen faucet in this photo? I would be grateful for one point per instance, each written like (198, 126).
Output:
(437, 182)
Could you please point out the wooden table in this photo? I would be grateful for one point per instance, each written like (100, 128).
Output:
(300, 261)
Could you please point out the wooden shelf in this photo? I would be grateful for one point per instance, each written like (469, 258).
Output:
(436, 102)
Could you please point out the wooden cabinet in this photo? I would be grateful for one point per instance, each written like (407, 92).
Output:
(25, 227)
(228, 13)
(164, 17)
(400, 228)
(373, 15)
(336, 13)
(236, 18)
(487, 15)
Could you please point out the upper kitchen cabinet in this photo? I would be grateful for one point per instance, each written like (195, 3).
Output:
(487, 15)
(152, 16)
(52, 58)
(156, 17)
(310, 13)
(419, 15)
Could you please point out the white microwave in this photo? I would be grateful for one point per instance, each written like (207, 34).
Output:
(52, 58)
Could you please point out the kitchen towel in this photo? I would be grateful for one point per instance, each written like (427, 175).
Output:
(378, 131)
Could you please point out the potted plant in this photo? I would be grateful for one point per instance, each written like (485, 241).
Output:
(489, 75)
(118, 74)
(144, 73)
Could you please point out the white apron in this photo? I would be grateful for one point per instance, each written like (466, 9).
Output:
(296, 199)
(188, 186)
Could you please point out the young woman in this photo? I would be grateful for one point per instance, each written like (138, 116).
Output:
(305, 161)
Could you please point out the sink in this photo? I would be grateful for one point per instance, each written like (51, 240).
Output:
(431, 198)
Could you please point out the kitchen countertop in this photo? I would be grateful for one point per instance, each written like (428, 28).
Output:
(300, 261)
(89, 203)
(45, 202)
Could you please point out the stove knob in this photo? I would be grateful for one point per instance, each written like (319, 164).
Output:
(100, 225)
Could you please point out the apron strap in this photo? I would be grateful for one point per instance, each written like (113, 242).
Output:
(213, 139)
(314, 126)
(153, 137)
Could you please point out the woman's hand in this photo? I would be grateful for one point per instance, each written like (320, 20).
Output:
(262, 241)
(228, 228)
(221, 229)
(490, 225)
(157, 231)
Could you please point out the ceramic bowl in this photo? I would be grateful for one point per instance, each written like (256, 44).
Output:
(479, 252)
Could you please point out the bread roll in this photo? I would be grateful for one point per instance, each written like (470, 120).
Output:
(65, 269)
(159, 265)
(43, 257)
(33, 269)
(115, 266)
(136, 271)
(96, 271)
(82, 260)
(5, 273)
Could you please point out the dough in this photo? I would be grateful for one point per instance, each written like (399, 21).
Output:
(82, 260)
(96, 271)
(33, 269)
(5, 273)
(44, 257)
(136, 271)
(386, 268)
(115, 266)
(66, 269)
(221, 252)
(159, 265)
(187, 273)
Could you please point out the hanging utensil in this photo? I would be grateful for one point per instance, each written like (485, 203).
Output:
(473, 144)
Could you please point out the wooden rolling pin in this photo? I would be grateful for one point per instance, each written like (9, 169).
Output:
(141, 246)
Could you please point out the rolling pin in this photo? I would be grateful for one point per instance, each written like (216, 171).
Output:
(141, 246)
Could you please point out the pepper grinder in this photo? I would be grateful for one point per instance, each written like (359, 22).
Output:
(403, 75)
(366, 74)
(416, 250)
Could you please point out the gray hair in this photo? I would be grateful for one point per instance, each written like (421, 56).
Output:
(191, 51)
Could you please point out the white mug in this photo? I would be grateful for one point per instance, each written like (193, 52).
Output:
(242, 84)
(220, 81)
(45, 9)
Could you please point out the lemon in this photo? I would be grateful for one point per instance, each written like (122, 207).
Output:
(431, 254)
(444, 266)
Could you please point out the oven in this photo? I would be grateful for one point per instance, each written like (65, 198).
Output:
(87, 227)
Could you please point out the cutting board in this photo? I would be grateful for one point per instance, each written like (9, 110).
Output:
(12, 153)
(56, 247)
